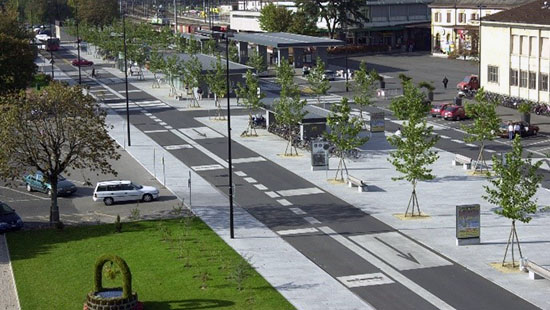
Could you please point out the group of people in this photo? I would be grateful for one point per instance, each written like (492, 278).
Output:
(514, 129)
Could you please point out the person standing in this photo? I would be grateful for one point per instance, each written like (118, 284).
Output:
(510, 131)
(517, 130)
(445, 82)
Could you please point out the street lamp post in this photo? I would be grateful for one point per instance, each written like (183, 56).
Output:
(126, 77)
(346, 44)
(231, 224)
(479, 46)
(78, 44)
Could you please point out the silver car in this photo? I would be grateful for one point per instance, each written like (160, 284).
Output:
(117, 191)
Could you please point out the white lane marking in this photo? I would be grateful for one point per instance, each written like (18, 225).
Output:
(240, 173)
(284, 202)
(299, 192)
(169, 127)
(539, 142)
(198, 133)
(178, 147)
(206, 167)
(201, 148)
(130, 91)
(146, 102)
(152, 116)
(248, 160)
(457, 141)
(471, 145)
(24, 193)
(158, 120)
(260, 187)
(148, 114)
(366, 279)
(155, 131)
(163, 124)
(181, 109)
(387, 269)
(312, 220)
(297, 231)
(297, 211)
(272, 194)
(444, 137)
(490, 151)
(250, 180)
(399, 251)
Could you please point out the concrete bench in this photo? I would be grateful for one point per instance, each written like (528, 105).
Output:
(466, 162)
(361, 185)
(535, 271)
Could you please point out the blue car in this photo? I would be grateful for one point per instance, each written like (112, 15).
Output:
(37, 182)
(9, 220)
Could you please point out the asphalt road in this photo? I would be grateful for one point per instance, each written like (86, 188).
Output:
(395, 273)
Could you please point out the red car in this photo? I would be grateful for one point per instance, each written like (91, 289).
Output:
(82, 63)
(454, 112)
(470, 82)
(437, 109)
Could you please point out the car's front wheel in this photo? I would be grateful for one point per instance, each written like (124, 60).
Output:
(29, 188)
(108, 201)
(147, 197)
(49, 192)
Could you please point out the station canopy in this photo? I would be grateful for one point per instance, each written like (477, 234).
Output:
(285, 40)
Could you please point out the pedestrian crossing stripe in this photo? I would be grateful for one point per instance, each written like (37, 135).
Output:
(207, 167)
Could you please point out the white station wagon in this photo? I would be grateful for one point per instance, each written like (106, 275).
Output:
(115, 191)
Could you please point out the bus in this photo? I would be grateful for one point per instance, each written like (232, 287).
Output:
(52, 44)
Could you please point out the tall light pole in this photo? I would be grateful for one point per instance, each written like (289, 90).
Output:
(78, 44)
(479, 47)
(231, 224)
(346, 42)
(126, 75)
(175, 18)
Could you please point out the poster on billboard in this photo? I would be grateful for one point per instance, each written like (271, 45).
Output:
(319, 155)
(467, 224)
(377, 122)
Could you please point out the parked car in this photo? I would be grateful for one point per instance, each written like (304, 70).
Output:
(470, 82)
(114, 191)
(37, 182)
(329, 75)
(525, 129)
(454, 112)
(9, 220)
(82, 63)
(438, 108)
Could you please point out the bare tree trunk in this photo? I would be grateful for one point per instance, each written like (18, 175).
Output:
(413, 202)
(512, 237)
(480, 162)
(54, 208)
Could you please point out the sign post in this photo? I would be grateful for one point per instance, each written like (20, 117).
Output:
(377, 122)
(467, 224)
(319, 155)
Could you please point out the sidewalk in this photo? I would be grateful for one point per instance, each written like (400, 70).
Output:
(8, 293)
(438, 199)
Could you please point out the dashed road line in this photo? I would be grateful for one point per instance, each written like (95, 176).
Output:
(444, 137)
(284, 202)
(297, 231)
(155, 131)
(471, 145)
(163, 124)
(248, 160)
(206, 167)
(300, 192)
(178, 147)
(298, 211)
(272, 194)
(240, 173)
(490, 151)
(458, 141)
(312, 220)
(250, 180)
(260, 187)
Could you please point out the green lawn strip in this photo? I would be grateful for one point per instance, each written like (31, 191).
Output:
(174, 264)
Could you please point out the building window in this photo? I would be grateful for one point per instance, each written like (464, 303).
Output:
(524, 46)
(461, 17)
(532, 80)
(533, 46)
(513, 77)
(492, 74)
(543, 82)
(545, 48)
(448, 17)
(522, 78)
(515, 45)
(473, 16)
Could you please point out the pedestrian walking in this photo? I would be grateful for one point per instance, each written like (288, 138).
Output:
(93, 72)
(510, 131)
(398, 132)
(517, 130)
(199, 92)
(445, 82)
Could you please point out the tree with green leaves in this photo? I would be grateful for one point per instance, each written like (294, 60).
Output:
(335, 13)
(156, 64)
(275, 18)
(413, 152)
(317, 80)
(256, 61)
(289, 108)
(217, 83)
(172, 71)
(193, 46)
(485, 125)
(248, 92)
(52, 130)
(413, 101)
(512, 189)
(233, 52)
(344, 133)
(302, 23)
(209, 47)
(98, 13)
(364, 89)
(193, 77)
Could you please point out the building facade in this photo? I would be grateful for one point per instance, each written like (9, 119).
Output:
(455, 24)
(515, 52)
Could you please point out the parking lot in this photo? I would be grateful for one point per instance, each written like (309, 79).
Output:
(34, 207)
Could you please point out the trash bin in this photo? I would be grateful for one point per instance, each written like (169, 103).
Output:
(458, 101)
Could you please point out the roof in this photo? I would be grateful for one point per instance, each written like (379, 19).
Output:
(114, 182)
(284, 39)
(194, 36)
(487, 4)
(530, 13)
(208, 62)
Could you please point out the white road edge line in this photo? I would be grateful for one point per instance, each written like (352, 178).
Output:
(387, 269)
(24, 193)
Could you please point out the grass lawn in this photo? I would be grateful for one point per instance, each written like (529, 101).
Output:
(175, 264)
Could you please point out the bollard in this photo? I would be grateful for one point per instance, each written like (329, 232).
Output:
(163, 171)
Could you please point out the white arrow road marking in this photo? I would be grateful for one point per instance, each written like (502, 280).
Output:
(399, 251)
(387, 269)
(366, 279)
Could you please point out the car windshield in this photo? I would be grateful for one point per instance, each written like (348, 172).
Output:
(137, 186)
(5, 209)
(450, 109)
(466, 79)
